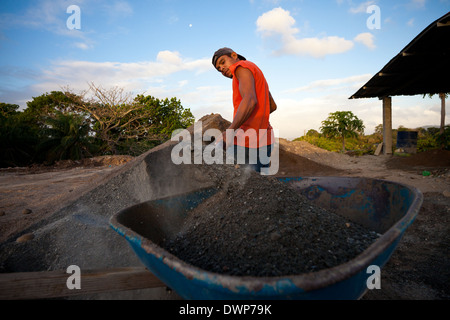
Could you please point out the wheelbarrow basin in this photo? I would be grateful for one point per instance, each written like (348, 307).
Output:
(383, 206)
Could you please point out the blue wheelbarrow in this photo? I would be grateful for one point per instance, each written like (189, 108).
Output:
(386, 207)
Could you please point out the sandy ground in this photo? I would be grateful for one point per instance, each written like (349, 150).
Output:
(31, 194)
(418, 269)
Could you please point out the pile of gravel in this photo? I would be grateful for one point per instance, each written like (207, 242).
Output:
(259, 226)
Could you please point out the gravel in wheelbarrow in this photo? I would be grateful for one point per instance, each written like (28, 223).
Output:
(259, 226)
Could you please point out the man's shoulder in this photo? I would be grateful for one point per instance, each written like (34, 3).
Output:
(247, 64)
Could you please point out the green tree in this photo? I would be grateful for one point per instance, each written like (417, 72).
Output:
(343, 124)
(18, 137)
(66, 137)
(121, 122)
(7, 109)
(48, 103)
(23, 131)
(165, 115)
(64, 125)
(312, 133)
(379, 130)
(442, 136)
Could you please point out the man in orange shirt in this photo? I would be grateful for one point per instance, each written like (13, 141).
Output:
(250, 132)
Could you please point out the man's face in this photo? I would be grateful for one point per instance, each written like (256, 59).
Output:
(224, 62)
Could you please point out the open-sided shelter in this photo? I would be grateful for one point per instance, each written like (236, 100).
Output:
(422, 67)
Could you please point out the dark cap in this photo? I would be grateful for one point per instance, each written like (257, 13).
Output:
(222, 52)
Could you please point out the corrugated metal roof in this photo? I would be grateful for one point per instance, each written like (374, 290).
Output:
(422, 67)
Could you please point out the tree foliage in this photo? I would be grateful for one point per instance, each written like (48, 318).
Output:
(97, 121)
(66, 137)
(443, 136)
(432, 138)
(120, 121)
(18, 137)
(343, 124)
(428, 139)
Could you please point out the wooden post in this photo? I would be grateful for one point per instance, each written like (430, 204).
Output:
(442, 96)
(387, 125)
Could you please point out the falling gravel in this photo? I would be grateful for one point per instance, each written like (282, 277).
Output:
(259, 226)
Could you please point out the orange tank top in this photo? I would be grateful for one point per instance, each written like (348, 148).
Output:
(256, 131)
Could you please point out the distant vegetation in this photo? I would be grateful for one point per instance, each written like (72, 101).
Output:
(342, 125)
(64, 125)
(357, 143)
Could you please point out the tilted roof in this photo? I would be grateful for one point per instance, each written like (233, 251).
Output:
(422, 67)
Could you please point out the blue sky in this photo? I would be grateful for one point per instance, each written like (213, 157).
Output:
(314, 54)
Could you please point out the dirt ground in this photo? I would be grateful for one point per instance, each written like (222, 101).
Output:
(418, 269)
(30, 194)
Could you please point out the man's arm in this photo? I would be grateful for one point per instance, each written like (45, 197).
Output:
(248, 103)
(248, 94)
(273, 105)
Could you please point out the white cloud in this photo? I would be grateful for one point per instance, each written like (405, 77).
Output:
(131, 75)
(169, 57)
(294, 117)
(366, 39)
(276, 21)
(82, 45)
(303, 110)
(279, 25)
(305, 107)
(318, 47)
(45, 15)
(326, 84)
(413, 112)
(205, 100)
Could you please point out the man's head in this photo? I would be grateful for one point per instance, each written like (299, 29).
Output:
(223, 59)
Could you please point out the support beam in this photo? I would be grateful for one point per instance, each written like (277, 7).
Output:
(387, 125)
(442, 128)
(446, 24)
